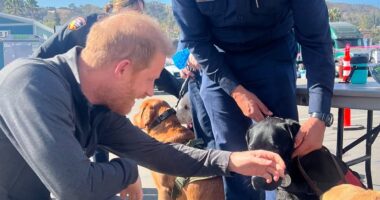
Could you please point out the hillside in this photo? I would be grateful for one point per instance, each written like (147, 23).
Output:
(366, 17)
(375, 3)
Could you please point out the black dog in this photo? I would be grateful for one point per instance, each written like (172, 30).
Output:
(307, 177)
(277, 135)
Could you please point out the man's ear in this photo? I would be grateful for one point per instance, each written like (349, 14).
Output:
(122, 67)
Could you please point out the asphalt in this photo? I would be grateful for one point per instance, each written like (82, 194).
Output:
(358, 117)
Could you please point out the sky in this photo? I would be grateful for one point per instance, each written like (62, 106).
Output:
(367, 2)
(61, 3)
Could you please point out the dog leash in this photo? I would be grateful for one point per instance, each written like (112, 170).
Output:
(184, 87)
(183, 90)
(313, 185)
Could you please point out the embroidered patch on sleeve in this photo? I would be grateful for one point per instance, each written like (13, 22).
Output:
(76, 23)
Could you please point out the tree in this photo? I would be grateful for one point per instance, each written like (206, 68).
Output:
(31, 7)
(51, 19)
(13, 7)
(1, 6)
(335, 15)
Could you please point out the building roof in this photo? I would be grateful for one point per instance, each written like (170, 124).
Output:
(341, 30)
(7, 19)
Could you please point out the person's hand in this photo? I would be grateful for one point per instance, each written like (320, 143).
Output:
(133, 191)
(309, 137)
(186, 73)
(261, 163)
(192, 62)
(249, 104)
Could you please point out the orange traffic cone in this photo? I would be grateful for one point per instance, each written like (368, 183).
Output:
(346, 70)
(347, 121)
(347, 117)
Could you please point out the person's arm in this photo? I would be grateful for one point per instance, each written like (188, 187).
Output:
(168, 83)
(313, 33)
(196, 35)
(65, 39)
(38, 114)
(312, 30)
(120, 137)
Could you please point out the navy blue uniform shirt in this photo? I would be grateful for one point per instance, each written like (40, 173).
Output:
(238, 26)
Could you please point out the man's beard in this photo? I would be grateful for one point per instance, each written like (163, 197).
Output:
(122, 106)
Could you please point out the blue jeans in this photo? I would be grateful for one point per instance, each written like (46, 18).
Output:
(201, 121)
(274, 84)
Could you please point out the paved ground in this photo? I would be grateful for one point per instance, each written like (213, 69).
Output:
(357, 117)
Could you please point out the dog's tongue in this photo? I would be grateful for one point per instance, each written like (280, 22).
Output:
(190, 125)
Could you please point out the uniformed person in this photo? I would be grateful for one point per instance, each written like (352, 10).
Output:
(75, 33)
(247, 49)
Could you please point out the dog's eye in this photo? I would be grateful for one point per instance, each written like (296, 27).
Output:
(186, 107)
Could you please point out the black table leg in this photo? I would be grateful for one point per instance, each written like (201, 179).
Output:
(368, 149)
(339, 143)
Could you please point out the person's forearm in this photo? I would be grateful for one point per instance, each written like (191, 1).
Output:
(196, 36)
(168, 83)
(313, 33)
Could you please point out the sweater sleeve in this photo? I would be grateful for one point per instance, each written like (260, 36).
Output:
(36, 116)
(126, 140)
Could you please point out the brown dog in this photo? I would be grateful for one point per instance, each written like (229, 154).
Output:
(350, 192)
(171, 130)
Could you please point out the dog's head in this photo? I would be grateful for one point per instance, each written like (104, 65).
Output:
(169, 129)
(184, 110)
(276, 135)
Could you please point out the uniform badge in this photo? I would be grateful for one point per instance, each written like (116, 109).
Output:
(76, 23)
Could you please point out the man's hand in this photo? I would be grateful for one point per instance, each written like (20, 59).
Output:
(261, 163)
(186, 73)
(249, 104)
(133, 191)
(309, 137)
(193, 63)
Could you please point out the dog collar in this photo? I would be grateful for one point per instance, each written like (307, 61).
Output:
(162, 117)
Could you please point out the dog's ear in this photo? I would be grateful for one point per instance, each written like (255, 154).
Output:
(145, 115)
(137, 117)
(292, 126)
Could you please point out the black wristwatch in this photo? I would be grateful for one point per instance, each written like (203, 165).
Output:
(328, 118)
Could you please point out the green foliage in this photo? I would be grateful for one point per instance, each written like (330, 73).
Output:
(14, 7)
(51, 19)
(31, 7)
(164, 15)
(367, 18)
(335, 15)
(59, 16)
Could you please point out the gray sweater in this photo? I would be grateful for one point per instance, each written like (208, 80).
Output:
(48, 130)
